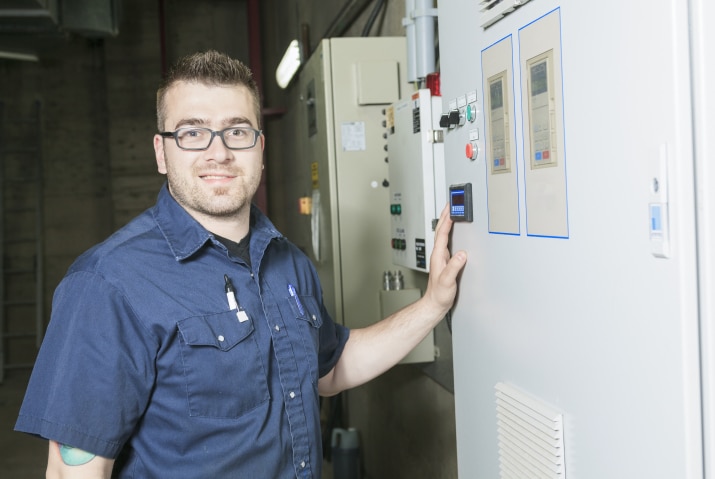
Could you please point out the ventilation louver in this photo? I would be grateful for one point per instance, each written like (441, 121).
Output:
(531, 444)
(491, 11)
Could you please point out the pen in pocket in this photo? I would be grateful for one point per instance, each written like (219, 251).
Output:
(291, 291)
(232, 303)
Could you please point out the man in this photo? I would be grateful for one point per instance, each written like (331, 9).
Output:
(194, 340)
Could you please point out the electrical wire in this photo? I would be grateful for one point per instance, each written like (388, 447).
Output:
(373, 17)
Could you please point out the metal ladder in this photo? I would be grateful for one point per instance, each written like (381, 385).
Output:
(21, 239)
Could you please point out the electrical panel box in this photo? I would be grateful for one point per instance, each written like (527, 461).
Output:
(581, 306)
(417, 183)
(343, 194)
(341, 143)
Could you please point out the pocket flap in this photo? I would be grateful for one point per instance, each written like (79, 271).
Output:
(220, 330)
(309, 310)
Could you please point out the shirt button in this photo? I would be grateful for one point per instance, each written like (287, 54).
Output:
(278, 328)
(314, 318)
(302, 464)
(221, 338)
(292, 394)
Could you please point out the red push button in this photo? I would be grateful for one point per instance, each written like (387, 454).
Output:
(471, 150)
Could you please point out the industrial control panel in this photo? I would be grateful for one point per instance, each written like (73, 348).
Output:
(578, 332)
(341, 188)
(416, 175)
(344, 87)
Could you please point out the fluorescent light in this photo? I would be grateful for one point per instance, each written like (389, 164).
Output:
(289, 64)
(27, 57)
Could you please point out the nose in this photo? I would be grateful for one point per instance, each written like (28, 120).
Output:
(217, 150)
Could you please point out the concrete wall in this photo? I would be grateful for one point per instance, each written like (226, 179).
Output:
(73, 139)
(98, 99)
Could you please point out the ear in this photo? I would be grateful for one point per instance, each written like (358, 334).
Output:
(159, 152)
(263, 142)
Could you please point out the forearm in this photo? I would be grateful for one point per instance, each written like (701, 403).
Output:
(373, 350)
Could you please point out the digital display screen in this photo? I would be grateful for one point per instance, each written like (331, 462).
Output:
(539, 79)
(496, 94)
(460, 202)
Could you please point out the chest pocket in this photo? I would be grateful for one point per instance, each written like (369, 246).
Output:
(224, 373)
(306, 311)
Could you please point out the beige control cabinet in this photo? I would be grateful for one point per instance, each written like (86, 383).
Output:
(345, 87)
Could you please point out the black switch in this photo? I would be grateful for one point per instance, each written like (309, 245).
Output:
(453, 117)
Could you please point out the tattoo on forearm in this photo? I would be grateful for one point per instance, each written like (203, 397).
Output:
(73, 456)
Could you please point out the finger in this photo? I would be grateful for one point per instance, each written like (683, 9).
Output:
(454, 267)
(442, 216)
(444, 226)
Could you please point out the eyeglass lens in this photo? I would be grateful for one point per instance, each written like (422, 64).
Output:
(200, 138)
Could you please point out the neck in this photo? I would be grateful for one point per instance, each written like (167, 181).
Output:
(233, 227)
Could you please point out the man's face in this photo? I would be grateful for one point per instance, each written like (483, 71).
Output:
(217, 182)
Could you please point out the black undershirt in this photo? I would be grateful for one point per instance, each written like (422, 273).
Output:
(240, 249)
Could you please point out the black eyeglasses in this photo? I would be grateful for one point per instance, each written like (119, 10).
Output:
(193, 138)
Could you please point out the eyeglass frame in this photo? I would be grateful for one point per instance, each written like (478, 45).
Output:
(214, 133)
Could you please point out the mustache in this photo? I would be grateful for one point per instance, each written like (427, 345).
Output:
(212, 168)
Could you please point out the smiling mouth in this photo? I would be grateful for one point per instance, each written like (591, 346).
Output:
(216, 177)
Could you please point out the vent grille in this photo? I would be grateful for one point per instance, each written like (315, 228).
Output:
(531, 444)
(491, 11)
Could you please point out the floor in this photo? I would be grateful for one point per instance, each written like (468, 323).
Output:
(23, 456)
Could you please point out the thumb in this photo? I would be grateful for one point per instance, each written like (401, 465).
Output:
(454, 266)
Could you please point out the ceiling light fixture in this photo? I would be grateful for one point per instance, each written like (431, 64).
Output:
(289, 65)
(26, 57)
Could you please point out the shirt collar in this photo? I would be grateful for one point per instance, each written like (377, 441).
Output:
(185, 236)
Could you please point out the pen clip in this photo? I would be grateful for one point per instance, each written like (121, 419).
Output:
(228, 287)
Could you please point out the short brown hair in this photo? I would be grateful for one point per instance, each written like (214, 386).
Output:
(209, 68)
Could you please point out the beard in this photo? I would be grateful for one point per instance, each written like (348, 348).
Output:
(194, 195)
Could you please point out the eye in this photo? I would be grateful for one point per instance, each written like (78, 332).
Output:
(191, 133)
(237, 132)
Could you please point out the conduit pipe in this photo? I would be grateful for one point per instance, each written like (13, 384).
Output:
(419, 23)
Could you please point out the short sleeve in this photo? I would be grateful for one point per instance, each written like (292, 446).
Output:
(332, 342)
(94, 372)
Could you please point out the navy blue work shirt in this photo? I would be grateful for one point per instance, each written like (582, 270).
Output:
(143, 354)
